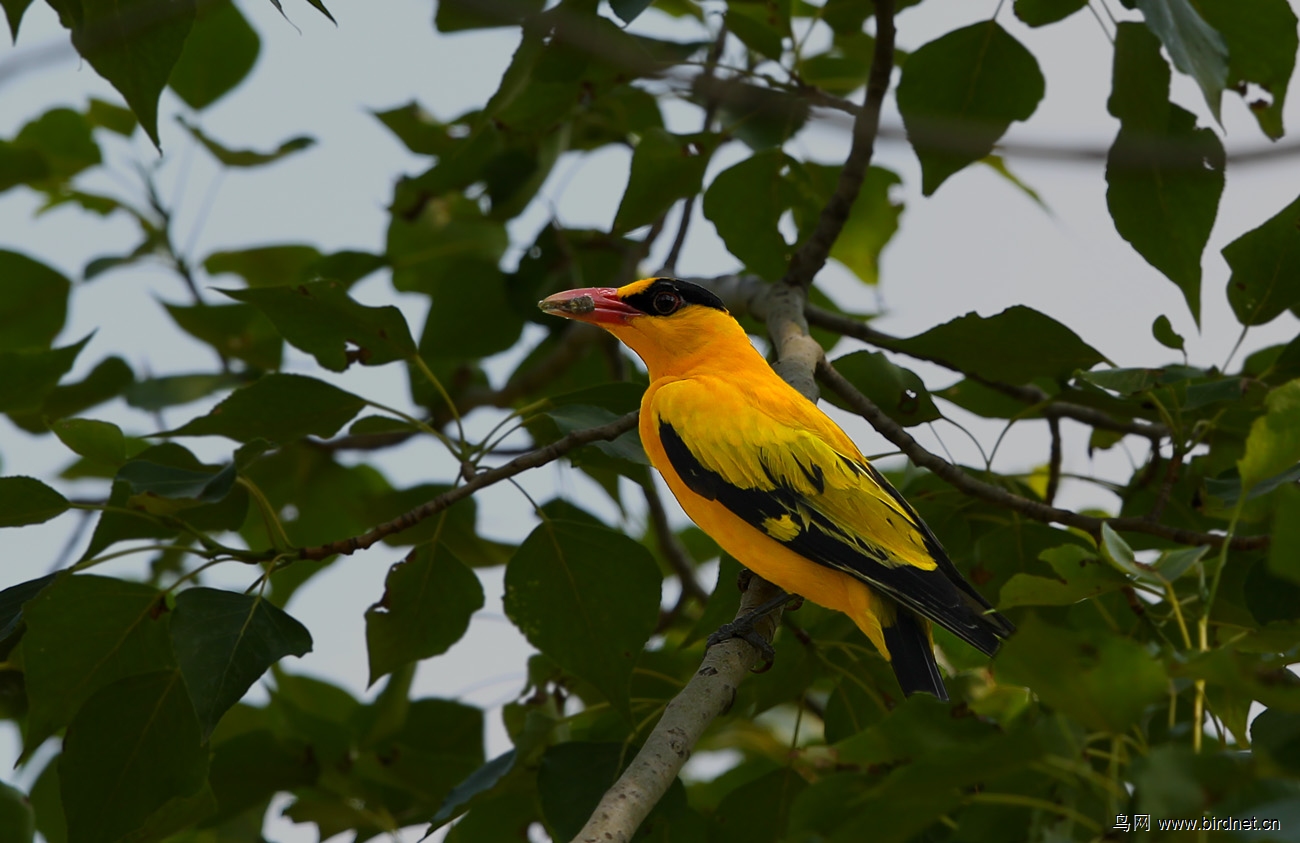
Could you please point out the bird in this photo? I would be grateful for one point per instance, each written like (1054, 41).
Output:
(777, 484)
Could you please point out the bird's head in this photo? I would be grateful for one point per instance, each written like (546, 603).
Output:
(667, 322)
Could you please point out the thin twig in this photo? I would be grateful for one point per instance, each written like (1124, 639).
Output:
(812, 255)
(533, 459)
(1054, 460)
(1167, 486)
(1038, 511)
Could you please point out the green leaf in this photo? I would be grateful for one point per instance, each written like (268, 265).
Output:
(48, 151)
(135, 59)
(1262, 43)
(219, 53)
(265, 266)
(665, 168)
(31, 375)
(1102, 680)
(470, 316)
(96, 440)
(428, 601)
(106, 115)
(33, 302)
(1284, 550)
(1165, 334)
(1164, 176)
(83, 633)
(759, 28)
(249, 768)
(133, 746)
(319, 318)
(14, 14)
(977, 344)
(1043, 12)
(240, 331)
(968, 85)
(1273, 444)
(1080, 575)
(460, 15)
(1265, 264)
(1120, 555)
(1276, 735)
(110, 377)
(1172, 564)
(745, 203)
(279, 408)
(588, 598)
(174, 390)
(224, 641)
(26, 500)
(898, 391)
(248, 157)
(871, 225)
(417, 129)
(17, 819)
(1196, 48)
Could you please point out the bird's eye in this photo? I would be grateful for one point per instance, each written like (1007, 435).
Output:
(666, 303)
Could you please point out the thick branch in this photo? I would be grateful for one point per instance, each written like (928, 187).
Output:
(710, 693)
(533, 459)
(812, 255)
(1038, 511)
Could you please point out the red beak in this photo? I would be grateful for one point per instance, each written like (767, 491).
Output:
(597, 305)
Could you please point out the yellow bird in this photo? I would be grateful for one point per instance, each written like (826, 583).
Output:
(779, 485)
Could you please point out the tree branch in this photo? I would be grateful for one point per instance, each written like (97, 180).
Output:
(710, 693)
(533, 459)
(812, 255)
(1038, 511)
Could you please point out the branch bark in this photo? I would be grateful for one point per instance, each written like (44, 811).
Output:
(812, 255)
(1038, 511)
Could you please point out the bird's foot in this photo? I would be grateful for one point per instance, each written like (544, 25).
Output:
(743, 628)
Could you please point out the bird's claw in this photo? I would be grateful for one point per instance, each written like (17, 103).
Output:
(744, 630)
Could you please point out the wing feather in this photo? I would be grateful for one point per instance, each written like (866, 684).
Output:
(804, 488)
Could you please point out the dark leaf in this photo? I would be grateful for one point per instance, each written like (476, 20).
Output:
(132, 747)
(426, 607)
(33, 302)
(219, 53)
(26, 500)
(745, 203)
(265, 266)
(469, 316)
(83, 633)
(17, 818)
(977, 344)
(1165, 334)
(319, 318)
(1163, 175)
(1080, 574)
(417, 129)
(174, 390)
(31, 375)
(106, 115)
(1284, 550)
(279, 408)
(1265, 266)
(959, 93)
(628, 10)
(460, 15)
(1262, 43)
(1043, 12)
(481, 780)
(249, 768)
(224, 641)
(14, 14)
(320, 7)
(665, 168)
(588, 598)
(238, 330)
(897, 391)
(248, 157)
(12, 600)
(133, 44)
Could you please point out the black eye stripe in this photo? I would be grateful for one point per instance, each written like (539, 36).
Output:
(684, 292)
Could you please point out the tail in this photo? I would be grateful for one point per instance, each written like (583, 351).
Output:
(911, 654)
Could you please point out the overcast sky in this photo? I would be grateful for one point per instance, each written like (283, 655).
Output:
(979, 244)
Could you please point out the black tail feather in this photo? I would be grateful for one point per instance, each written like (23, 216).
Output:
(912, 656)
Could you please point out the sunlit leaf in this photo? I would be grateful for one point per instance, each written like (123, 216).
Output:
(1274, 441)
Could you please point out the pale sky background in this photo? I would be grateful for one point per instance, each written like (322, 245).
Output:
(978, 244)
